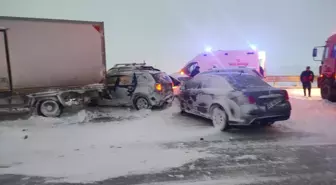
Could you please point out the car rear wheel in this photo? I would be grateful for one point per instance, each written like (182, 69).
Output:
(142, 103)
(219, 119)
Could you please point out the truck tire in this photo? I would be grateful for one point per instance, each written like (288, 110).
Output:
(50, 108)
(327, 91)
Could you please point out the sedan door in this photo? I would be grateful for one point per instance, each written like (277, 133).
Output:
(186, 95)
(204, 96)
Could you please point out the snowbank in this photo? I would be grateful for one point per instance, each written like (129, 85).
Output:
(62, 148)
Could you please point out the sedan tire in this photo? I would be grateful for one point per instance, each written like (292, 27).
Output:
(219, 119)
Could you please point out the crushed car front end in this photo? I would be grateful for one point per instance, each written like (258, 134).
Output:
(162, 93)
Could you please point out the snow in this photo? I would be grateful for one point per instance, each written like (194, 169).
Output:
(94, 145)
(311, 114)
(245, 157)
(77, 149)
(246, 179)
(298, 94)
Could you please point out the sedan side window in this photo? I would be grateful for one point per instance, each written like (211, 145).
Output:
(193, 84)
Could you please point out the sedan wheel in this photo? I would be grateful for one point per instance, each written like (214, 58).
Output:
(219, 119)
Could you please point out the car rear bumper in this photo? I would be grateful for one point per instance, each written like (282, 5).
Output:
(281, 112)
(161, 100)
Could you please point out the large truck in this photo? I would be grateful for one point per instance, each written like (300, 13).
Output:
(327, 70)
(48, 64)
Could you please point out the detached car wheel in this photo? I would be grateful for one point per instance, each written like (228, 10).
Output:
(219, 119)
(50, 108)
(141, 103)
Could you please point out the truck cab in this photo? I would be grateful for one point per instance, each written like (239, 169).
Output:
(326, 80)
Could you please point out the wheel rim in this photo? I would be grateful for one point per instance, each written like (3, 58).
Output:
(50, 108)
(219, 118)
(142, 103)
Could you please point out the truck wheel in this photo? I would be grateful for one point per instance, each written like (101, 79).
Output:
(50, 108)
(327, 92)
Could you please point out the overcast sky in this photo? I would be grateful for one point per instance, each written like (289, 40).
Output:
(168, 33)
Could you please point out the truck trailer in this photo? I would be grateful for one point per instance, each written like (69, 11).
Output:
(47, 64)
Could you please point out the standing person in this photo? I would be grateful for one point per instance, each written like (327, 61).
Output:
(307, 77)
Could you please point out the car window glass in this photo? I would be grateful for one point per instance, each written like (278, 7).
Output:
(215, 82)
(193, 84)
(142, 78)
(111, 80)
(243, 81)
(125, 80)
(162, 78)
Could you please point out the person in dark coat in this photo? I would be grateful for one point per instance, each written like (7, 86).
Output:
(195, 71)
(307, 77)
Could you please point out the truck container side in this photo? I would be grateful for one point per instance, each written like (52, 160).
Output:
(51, 53)
(49, 64)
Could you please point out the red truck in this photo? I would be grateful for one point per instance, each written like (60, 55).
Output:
(327, 70)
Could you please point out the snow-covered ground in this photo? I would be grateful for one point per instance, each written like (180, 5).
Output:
(312, 114)
(96, 145)
(77, 149)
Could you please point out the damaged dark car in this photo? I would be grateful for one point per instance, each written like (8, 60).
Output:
(234, 99)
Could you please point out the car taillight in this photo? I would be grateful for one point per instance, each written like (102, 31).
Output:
(158, 87)
(286, 95)
(251, 100)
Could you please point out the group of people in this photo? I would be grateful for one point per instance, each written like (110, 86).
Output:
(306, 77)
